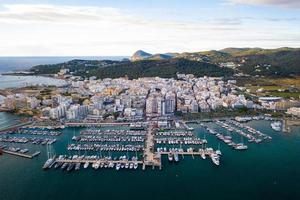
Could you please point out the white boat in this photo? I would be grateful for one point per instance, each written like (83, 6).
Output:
(118, 165)
(96, 165)
(276, 126)
(203, 155)
(131, 166)
(241, 146)
(176, 157)
(170, 157)
(86, 165)
(215, 159)
(135, 166)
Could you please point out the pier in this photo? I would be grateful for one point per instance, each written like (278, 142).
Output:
(13, 128)
(150, 158)
(96, 124)
(21, 154)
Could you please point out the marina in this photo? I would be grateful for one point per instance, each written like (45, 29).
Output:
(18, 152)
(24, 140)
(179, 163)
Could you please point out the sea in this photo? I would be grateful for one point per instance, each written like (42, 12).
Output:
(269, 170)
(9, 64)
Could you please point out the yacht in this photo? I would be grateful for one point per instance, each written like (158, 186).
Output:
(241, 146)
(57, 165)
(131, 166)
(276, 126)
(126, 166)
(97, 165)
(215, 158)
(86, 165)
(135, 166)
(70, 167)
(203, 155)
(77, 166)
(176, 157)
(49, 163)
(118, 165)
(64, 166)
(170, 157)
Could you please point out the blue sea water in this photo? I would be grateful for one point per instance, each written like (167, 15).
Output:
(8, 64)
(269, 170)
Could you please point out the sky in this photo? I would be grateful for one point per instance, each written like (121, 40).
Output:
(121, 27)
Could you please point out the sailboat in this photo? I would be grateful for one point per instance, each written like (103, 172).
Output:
(241, 146)
(50, 158)
(218, 151)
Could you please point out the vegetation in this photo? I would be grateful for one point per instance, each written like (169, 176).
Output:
(145, 68)
(282, 62)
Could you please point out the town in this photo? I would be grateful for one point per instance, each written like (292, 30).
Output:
(125, 100)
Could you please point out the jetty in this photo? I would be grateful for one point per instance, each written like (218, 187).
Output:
(23, 155)
(96, 124)
(13, 128)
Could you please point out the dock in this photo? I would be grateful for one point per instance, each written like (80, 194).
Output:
(151, 158)
(23, 155)
(82, 161)
(96, 124)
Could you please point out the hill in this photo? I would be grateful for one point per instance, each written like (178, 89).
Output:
(280, 62)
(143, 68)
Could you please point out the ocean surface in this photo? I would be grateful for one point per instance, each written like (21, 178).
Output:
(269, 170)
(8, 64)
(21, 81)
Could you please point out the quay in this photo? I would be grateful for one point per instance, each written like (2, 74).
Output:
(21, 154)
(91, 161)
(96, 124)
(288, 122)
(13, 128)
(187, 153)
(150, 158)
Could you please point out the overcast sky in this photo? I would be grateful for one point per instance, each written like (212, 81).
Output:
(120, 27)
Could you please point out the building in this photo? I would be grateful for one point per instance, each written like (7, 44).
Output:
(294, 111)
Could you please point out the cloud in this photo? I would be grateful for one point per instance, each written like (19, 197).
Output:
(33, 29)
(282, 3)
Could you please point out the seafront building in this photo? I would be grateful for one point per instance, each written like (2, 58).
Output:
(137, 99)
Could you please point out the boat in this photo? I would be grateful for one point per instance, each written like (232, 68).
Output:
(241, 146)
(86, 165)
(71, 167)
(215, 159)
(203, 155)
(126, 165)
(96, 165)
(49, 163)
(57, 165)
(51, 158)
(136, 127)
(77, 166)
(176, 157)
(276, 126)
(135, 166)
(64, 166)
(118, 165)
(131, 166)
(218, 152)
(170, 157)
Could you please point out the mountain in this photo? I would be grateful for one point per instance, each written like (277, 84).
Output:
(279, 62)
(140, 55)
(141, 68)
(166, 68)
